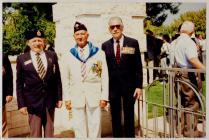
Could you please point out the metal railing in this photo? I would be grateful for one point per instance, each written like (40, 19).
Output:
(168, 122)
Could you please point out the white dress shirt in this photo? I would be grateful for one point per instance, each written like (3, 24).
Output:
(43, 59)
(183, 50)
(121, 44)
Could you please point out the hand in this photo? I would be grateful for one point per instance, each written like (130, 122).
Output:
(23, 110)
(68, 105)
(198, 47)
(59, 104)
(137, 93)
(103, 103)
(8, 99)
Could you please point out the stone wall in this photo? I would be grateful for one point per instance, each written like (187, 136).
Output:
(95, 16)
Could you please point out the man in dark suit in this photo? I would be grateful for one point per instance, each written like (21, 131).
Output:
(39, 87)
(7, 90)
(125, 77)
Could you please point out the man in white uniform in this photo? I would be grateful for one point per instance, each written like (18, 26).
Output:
(85, 78)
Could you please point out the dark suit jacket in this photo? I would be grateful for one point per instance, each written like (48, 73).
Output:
(7, 78)
(33, 92)
(151, 45)
(125, 77)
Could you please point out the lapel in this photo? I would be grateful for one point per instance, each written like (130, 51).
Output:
(111, 51)
(30, 65)
(125, 43)
(49, 65)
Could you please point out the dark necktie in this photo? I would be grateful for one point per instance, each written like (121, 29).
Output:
(118, 52)
(41, 68)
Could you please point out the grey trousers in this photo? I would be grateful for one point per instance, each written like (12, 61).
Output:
(36, 122)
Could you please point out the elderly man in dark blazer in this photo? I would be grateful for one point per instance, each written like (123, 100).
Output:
(39, 87)
(125, 76)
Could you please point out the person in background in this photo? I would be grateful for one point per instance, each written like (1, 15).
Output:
(125, 77)
(85, 80)
(38, 85)
(172, 45)
(7, 91)
(49, 46)
(203, 45)
(165, 50)
(185, 56)
(149, 55)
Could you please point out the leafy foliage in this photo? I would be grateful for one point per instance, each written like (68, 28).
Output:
(157, 12)
(13, 32)
(20, 17)
(198, 17)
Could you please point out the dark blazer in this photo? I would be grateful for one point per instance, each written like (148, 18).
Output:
(33, 92)
(151, 45)
(125, 77)
(7, 78)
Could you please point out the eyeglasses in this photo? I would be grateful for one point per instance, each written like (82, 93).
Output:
(113, 26)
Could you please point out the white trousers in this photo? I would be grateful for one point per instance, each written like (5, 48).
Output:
(87, 122)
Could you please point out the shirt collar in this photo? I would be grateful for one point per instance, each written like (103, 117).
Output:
(34, 53)
(85, 47)
(120, 40)
(185, 35)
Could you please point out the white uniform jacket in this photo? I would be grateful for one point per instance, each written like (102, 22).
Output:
(96, 85)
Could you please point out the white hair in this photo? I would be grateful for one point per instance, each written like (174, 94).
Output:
(187, 26)
(115, 18)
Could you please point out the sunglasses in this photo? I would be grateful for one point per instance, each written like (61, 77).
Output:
(113, 26)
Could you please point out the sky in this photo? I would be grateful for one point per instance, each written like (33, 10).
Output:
(184, 7)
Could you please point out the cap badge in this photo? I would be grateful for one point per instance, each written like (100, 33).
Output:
(38, 33)
(76, 25)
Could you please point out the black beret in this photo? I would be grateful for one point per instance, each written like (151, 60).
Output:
(79, 26)
(34, 33)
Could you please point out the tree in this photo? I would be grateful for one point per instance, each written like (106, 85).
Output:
(157, 12)
(20, 17)
(34, 11)
(197, 17)
(14, 28)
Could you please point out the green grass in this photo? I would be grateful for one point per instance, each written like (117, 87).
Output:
(156, 96)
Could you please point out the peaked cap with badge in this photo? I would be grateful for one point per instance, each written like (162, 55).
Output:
(79, 26)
